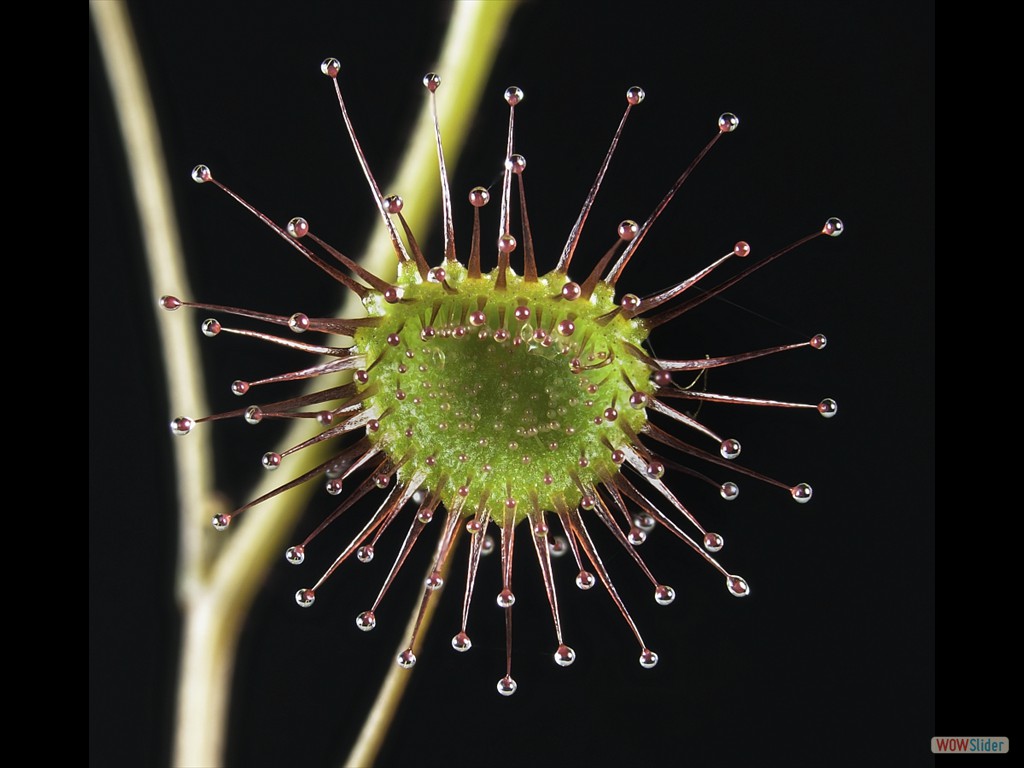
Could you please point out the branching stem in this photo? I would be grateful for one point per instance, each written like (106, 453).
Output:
(217, 575)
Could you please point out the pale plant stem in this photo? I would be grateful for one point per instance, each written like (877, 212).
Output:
(389, 695)
(216, 587)
(164, 259)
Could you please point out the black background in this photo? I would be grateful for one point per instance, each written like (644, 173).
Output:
(831, 661)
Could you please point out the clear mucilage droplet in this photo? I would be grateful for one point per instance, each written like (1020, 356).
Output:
(713, 542)
(406, 659)
(737, 586)
(730, 448)
(182, 426)
(507, 686)
(801, 493)
(564, 655)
